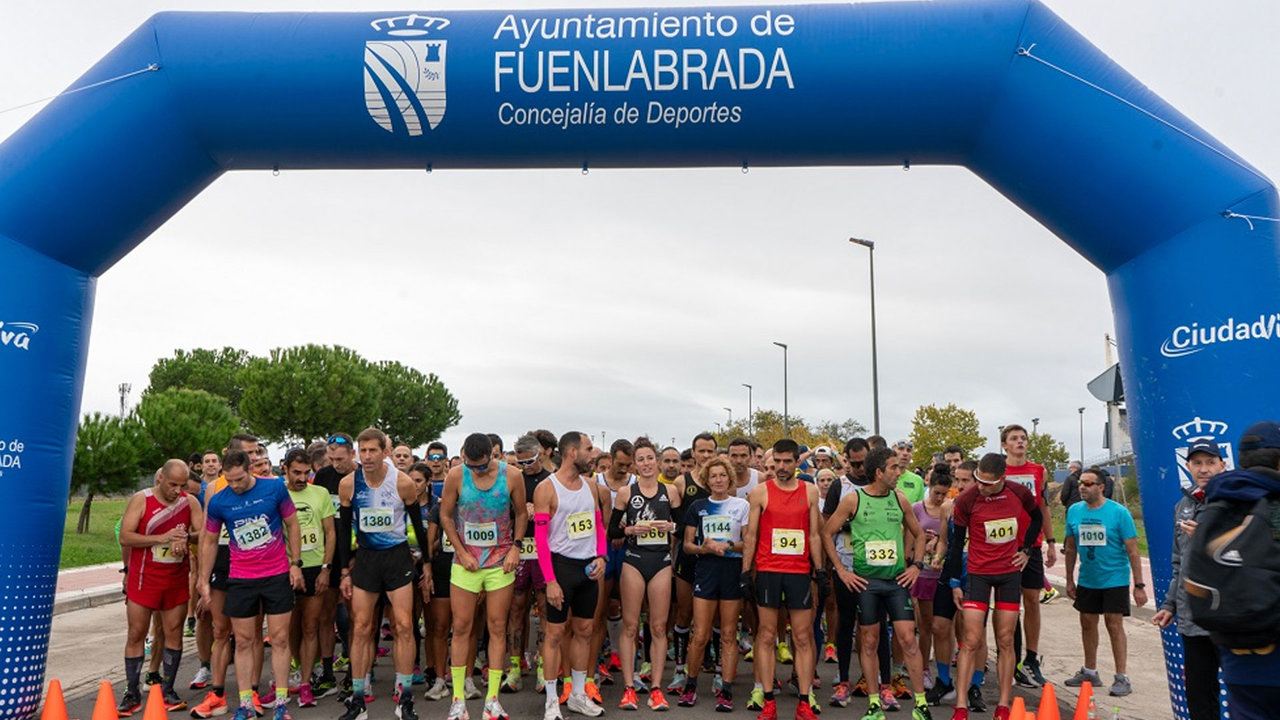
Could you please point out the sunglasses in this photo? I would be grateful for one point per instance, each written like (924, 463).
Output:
(906, 445)
(1089, 484)
(435, 457)
(338, 440)
(478, 468)
(526, 463)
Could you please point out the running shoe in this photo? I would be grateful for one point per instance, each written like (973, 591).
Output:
(769, 712)
(383, 651)
(860, 688)
(1031, 667)
(418, 677)
(281, 712)
(804, 711)
(552, 712)
(404, 708)
(678, 681)
(341, 662)
(928, 679)
(783, 653)
(153, 678)
(202, 678)
(1023, 678)
(257, 704)
(306, 698)
(584, 705)
(749, 655)
(688, 696)
(921, 712)
(629, 700)
(1049, 595)
(324, 686)
(959, 714)
(603, 675)
(593, 692)
(813, 703)
(829, 653)
(615, 662)
(542, 682)
(1121, 687)
(888, 700)
(438, 690)
(470, 690)
(976, 703)
(645, 673)
(899, 687)
(243, 713)
(1083, 676)
(131, 702)
(941, 694)
(755, 701)
(724, 702)
(212, 705)
(567, 691)
(658, 701)
(745, 643)
(874, 712)
(457, 711)
(271, 695)
(493, 710)
(1001, 713)
(190, 630)
(793, 684)
(172, 702)
(513, 682)
(840, 697)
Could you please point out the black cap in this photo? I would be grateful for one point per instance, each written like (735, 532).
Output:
(1265, 434)
(1204, 446)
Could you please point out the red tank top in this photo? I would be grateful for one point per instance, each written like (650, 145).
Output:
(155, 565)
(783, 542)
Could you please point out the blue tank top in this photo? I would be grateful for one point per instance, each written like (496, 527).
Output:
(378, 513)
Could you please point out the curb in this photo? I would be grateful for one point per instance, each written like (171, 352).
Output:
(87, 598)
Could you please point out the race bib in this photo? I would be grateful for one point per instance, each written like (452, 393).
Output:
(717, 527)
(652, 536)
(881, 553)
(224, 537)
(375, 520)
(1026, 481)
(581, 525)
(310, 539)
(253, 534)
(528, 551)
(480, 534)
(337, 503)
(445, 544)
(787, 542)
(1093, 535)
(1001, 531)
(163, 553)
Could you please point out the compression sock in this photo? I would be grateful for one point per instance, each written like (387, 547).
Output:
(944, 672)
(133, 673)
(459, 674)
(495, 679)
(172, 658)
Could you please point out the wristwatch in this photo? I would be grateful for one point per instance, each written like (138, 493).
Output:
(297, 563)
(326, 566)
(1140, 586)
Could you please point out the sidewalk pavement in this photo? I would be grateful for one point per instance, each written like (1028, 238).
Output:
(86, 587)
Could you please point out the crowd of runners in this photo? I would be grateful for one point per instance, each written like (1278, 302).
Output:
(641, 567)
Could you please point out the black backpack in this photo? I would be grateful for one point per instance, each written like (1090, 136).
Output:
(1232, 574)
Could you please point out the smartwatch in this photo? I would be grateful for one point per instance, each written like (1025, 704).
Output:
(296, 563)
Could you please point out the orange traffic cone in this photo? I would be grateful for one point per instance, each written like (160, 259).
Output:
(105, 707)
(55, 707)
(155, 705)
(1019, 709)
(1029, 716)
(1082, 704)
(1048, 709)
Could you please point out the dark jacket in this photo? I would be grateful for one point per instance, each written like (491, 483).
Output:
(1175, 600)
(1070, 492)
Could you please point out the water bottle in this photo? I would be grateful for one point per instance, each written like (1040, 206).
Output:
(1093, 709)
(1115, 713)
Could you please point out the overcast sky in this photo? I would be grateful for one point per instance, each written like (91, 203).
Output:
(685, 278)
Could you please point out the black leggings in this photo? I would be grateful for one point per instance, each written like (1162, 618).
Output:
(1200, 667)
(847, 609)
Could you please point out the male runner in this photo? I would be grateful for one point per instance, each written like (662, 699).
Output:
(158, 524)
(402, 457)
(484, 516)
(438, 461)
(911, 484)
(529, 584)
(782, 540)
(669, 465)
(988, 515)
(876, 517)
(569, 532)
(690, 490)
(608, 620)
(262, 575)
(745, 478)
(340, 459)
(316, 528)
(375, 500)
(1020, 470)
(210, 469)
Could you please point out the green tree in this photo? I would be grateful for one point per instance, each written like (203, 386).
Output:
(301, 393)
(414, 408)
(179, 422)
(108, 459)
(767, 428)
(1043, 449)
(213, 371)
(934, 428)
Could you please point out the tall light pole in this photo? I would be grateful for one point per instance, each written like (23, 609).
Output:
(750, 416)
(1081, 437)
(1035, 424)
(730, 420)
(124, 389)
(875, 370)
(786, 415)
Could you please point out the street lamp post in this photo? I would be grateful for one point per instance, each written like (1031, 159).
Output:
(1081, 437)
(750, 417)
(786, 415)
(730, 420)
(1035, 425)
(875, 370)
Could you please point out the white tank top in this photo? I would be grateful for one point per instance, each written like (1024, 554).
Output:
(572, 531)
(752, 481)
(613, 494)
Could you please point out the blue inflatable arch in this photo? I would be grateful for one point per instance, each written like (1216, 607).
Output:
(1002, 87)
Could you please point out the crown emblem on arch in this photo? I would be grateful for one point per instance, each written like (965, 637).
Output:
(404, 80)
(1199, 429)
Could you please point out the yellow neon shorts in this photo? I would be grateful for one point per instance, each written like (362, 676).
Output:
(484, 579)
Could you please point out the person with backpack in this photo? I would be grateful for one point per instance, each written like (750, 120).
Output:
(1200, 656)
(1233, 573)
(1101, 534)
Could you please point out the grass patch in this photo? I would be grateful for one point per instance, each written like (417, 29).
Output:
(98, 545)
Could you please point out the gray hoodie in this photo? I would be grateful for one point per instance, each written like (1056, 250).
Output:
(1175, 600)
